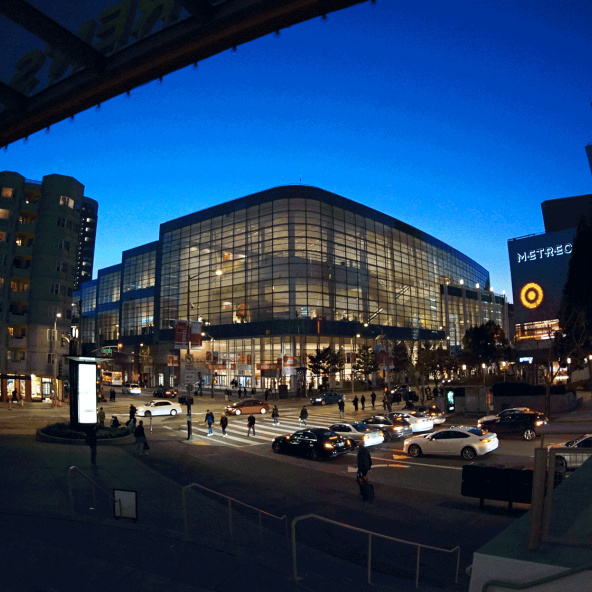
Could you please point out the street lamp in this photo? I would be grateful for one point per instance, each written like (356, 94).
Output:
(483, 366)
(568, 370)
(55, 355)
(189, 305)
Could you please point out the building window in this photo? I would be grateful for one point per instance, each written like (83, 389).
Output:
(7, 191)
(3, 237)
(4, 214)
(54, 288)
(66, 201)
(61, 266)
(51, 358)
(62, 222)
(9, 355)
(60, 243)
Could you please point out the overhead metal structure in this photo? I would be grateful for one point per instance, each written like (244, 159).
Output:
(60, 58)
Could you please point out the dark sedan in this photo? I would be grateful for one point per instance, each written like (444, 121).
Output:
(393, 428)
(316, 443)
(326, 398)
(520, 421)
(163, 392)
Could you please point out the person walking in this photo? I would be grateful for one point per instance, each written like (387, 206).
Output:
(251, 425)
(132, 412)
(266, 394)
(101, 418)
(275, 415)
(210, 421)
(91, 441)
(223, 424)
(384, 402)
(112, 395)
(363, 401)
(140, 436)
(364, 460)
(341, 406)
(303, 415)
(355, 402)
(373, 399)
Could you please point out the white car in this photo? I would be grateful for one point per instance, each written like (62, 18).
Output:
(580, 450)
(466, 442)
(132, 389)
(418, 421)
(159, 408)
(359, 432)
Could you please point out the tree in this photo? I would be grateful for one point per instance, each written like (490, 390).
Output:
(487, 343)
(326, 362)
(366, 362)
(401, 357)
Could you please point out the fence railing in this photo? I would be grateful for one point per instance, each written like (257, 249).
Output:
(94, 490)
(371, 534)
(231, 501)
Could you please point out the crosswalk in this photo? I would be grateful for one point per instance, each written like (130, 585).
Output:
(265, 429)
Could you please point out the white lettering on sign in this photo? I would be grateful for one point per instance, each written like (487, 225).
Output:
(545, 253)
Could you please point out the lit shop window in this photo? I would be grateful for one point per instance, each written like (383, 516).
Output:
(7, 191)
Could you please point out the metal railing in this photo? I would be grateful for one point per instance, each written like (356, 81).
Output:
(371, 534)
(94, 490)
(230, 502)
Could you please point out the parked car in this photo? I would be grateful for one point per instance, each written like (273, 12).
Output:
(315, 443)
(580, 450)
(521, 421)
(159, 408)
(359, 433)
(418, 421)
(392, 428)
(466, 442)
(131, 388)
(326, 398)
(165, 392)
(247, 406)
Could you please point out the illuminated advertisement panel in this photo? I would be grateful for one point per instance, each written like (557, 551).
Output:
(87, 393)
(539, 267)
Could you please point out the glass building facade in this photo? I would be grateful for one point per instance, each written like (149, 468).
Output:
(278, 274)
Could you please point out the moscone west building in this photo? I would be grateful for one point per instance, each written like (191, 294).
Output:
(273, 276)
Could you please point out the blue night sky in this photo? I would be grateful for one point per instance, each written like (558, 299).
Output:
(457, 117)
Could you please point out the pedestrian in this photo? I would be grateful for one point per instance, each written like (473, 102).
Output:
(428, 392)
(132, 412)
(210, 421)
(253, 391)
(15, 396)
(341, 406)
(251, 425)
(363, 402)
(140, 435)
(355, 402)
(303, 415)
(115, 422)
(223, 424)
(275, 415)
(266, 394)
(364, 460)
(373, 398)
(101, 417)
(389, 403)
(102, 393)
(91, 441)
(112, 395)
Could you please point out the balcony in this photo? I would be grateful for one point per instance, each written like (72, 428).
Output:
(18, 317)
(28, 228)
(23, 250)
(17, 342)
(21, 272)
(20, 295)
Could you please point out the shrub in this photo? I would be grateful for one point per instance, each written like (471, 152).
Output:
(63, 430)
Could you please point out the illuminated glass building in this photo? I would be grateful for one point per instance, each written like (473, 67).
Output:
(276, 275)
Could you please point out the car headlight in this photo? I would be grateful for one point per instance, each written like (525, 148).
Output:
(328, 445)
(538, 422)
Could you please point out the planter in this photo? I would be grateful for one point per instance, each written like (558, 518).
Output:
(41, 437)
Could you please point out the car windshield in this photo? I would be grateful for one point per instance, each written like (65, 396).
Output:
(361, 427)
(325, 434)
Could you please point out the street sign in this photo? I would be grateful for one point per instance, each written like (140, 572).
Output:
(106, 350)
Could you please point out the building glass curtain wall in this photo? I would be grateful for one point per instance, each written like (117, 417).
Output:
(278, 274)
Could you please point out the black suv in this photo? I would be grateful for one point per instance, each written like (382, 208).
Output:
(522, 421)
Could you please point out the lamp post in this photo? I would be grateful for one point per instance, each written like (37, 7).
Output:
(483, 366)
(352, 363)
(568, 370)
(55, 356)
(189, 305)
